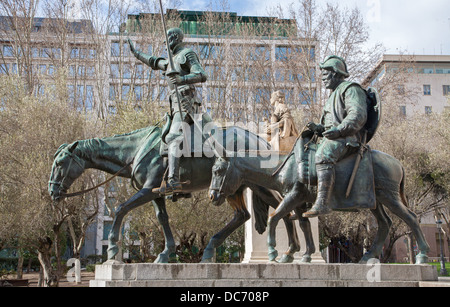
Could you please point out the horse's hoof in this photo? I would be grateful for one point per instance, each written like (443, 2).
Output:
(306, 259)
(112, 252)
(421, 259)
(286, 259)
(273, 255)
(161, 259)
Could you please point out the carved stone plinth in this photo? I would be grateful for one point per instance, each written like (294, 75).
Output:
(262, 275)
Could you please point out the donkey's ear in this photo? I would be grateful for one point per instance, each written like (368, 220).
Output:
(73, 146)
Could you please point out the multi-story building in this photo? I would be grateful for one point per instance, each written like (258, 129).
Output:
(52, 45)
(246, 58)
(427, 77)
(422, 87)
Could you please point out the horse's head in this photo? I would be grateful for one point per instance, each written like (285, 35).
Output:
(224, 181)
(66, 168)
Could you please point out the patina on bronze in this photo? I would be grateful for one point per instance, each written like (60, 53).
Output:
(136, 155)
(342, 127)
(183, 70)
(389, 181)
(369, 180)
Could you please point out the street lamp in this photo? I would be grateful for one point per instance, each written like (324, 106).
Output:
(443, 271)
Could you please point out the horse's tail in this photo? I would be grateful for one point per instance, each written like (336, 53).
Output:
(402, 188)
(261, 213)
(262, 199)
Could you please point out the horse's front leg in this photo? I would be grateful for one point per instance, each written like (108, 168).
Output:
(163, 219)
(241, 215)
(294, 244)
(143, 196)
(283, 209)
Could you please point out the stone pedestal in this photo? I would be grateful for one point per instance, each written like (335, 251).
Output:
(256, 244)
(262, 275)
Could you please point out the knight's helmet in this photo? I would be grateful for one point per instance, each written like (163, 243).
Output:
(177, 35)
(335, 63)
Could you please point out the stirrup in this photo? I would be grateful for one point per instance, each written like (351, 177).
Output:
(168, 189)
(317, 210)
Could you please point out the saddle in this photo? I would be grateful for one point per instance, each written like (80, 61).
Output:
(362, 195)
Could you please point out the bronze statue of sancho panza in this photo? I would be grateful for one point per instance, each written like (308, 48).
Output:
(342, 126)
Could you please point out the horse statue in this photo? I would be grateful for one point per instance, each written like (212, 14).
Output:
(389, 178)
(137, 155)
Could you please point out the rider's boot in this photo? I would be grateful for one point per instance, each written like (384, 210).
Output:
(325, 178)
(173, 181)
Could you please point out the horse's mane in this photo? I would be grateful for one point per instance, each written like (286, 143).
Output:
(133, 132)
(253, 138)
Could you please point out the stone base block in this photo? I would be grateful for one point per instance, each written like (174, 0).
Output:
(262, 275)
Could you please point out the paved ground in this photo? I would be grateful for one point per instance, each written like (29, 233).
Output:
(85, 278)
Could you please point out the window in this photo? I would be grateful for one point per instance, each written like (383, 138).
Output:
(114, 71)
(427, 89)
(90, 71)
(8, 51)
(112, 92)
(403, 110)
(81, 70)
(446, 90)
(4, 69)
(427, 70)
(74, 53)
(92, 53)
(139, 69)
(51, 70)
(89, 103)
(72, 71)
(56, 52)
(115, 49)
(428, 110)
(42, 69)
(282, 52)
(125, 91)
(35, 52)
(138, 92)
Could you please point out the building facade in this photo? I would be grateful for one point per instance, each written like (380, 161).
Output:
(422, 87)
(426, 77)
(246, 59)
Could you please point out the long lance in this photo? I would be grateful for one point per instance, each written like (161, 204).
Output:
(172, 71)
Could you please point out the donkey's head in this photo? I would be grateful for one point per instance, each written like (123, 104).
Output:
(67, 167)
(224, 182)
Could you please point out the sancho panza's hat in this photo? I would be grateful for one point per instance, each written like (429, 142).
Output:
(336, 63)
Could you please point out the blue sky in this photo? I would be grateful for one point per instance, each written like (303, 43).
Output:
(414, 26)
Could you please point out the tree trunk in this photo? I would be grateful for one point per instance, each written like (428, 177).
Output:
(20, 265)
(44, 255)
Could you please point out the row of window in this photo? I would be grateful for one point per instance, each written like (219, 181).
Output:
(212, 94)
(217, 73)
(427, 90)
(428, 110)
(49, 69)
(214, 52)
(434, 70)
(55, 53)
